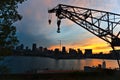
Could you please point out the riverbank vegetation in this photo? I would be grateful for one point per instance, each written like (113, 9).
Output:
(75, 75)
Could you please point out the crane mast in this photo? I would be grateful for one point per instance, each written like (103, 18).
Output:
(100, 23)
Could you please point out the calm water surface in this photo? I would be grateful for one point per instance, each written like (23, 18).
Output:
(20, 64)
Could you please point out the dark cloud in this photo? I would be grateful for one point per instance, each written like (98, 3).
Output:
(29, 39)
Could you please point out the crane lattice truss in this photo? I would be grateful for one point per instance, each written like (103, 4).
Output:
(101, 23)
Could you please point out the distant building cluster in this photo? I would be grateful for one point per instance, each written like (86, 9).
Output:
(63, 54)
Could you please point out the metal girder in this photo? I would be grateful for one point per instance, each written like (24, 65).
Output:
(100, 23)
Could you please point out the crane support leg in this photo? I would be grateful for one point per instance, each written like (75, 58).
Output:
(116, 55)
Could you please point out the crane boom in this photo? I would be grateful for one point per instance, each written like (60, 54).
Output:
(100, 23)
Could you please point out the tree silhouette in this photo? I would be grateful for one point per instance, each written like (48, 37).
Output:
(8, 16)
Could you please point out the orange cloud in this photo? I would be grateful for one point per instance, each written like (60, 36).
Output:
(94, 43)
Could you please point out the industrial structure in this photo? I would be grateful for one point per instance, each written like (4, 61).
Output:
(103, 24)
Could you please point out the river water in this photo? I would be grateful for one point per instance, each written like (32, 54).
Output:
(21, 64)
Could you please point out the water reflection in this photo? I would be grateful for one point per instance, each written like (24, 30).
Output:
(22, 64)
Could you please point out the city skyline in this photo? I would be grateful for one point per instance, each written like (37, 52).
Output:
(61, 48)
(40, 51)
(34, 28)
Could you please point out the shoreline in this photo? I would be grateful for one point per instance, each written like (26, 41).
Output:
(56, 57)
(64, 75)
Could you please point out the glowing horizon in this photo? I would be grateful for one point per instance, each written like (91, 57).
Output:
(96, 44)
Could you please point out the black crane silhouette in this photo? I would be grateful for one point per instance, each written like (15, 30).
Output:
(100, 23)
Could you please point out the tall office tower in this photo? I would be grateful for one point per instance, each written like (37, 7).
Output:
(41, 49)
(34, 47)
(63, 49)
(88, 52)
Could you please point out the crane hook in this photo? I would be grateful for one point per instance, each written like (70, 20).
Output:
(49, 21)
(58, 30)
(58, 24)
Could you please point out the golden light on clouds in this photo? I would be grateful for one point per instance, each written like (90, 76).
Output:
(94, 43)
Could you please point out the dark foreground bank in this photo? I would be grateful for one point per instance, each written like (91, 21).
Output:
(74, 75)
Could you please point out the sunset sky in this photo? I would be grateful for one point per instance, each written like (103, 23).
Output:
(34, 27)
